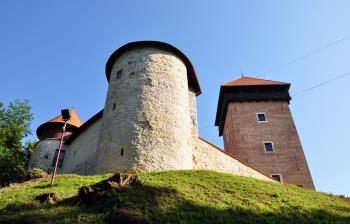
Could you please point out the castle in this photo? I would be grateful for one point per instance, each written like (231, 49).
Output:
(149, 123)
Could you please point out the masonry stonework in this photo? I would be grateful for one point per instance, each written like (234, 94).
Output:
(209, 157)
(146, 122)
(81, 153)
(193, 113)
(149, 123)
(44, 154)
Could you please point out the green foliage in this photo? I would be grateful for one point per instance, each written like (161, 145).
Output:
(174, 197)
(14, 126)
(35, 173)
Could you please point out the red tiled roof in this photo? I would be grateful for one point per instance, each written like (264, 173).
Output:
(74, 121)
(248, 81)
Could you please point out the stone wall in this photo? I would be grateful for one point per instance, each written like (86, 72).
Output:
(44, 154)
(146, 122)
(81, 153)
(209, 157)
(193, 112)
(244, 138)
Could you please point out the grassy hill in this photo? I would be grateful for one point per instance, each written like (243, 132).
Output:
(173, 197)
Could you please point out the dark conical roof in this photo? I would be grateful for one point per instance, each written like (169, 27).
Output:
(191, 73)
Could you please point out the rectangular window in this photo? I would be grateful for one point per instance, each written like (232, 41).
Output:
(261, 117)
(119, 73)
(277, 177)
(60, 160)
(269, 147)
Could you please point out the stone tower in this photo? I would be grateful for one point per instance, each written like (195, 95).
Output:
(149, 118)
(49, 135)
(254, 118)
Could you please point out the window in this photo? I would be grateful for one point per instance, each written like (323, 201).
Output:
(60, 160)
(261, 117)
(269, 147)
(119, 73)
(277, 177)
(122, 152)
(114, 106)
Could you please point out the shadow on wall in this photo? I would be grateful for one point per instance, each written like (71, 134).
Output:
(145, 204)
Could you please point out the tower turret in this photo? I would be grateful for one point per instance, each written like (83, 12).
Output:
(49, 134)
(254, 118)
(149, 117)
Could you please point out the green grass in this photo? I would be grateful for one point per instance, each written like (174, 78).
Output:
(174, 197)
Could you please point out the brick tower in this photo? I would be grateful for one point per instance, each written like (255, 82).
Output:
(254, 118)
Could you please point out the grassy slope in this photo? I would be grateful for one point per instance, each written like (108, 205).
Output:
(176, 197)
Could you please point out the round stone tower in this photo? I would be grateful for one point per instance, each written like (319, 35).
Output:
(149, 120)
(49, 135)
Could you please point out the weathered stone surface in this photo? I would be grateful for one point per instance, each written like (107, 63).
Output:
(193, 112)
(147, 121)
(208, 157)
(44, 154)
(81, 153)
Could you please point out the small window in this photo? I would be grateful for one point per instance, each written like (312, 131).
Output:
(60, 160)
(122, 152)
(119, 73)
(277, 177)
(114, 106)
(261, 117)
(269, 147)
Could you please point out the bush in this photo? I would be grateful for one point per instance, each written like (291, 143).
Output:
(35, 173)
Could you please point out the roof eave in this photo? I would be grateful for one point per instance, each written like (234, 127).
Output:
(192, 76)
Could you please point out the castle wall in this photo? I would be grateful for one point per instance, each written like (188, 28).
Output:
(81, 153)
(146, 122)
(193, 112)
(244, 137)
(208, 157)
(44, 154)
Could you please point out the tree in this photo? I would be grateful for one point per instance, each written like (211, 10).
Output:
(14, 126)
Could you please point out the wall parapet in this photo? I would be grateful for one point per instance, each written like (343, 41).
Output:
(207, 156)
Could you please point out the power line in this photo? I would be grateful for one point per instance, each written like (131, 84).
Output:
(321, 84)
(307, 55)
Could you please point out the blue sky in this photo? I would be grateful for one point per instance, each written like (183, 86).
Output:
(53, 53)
